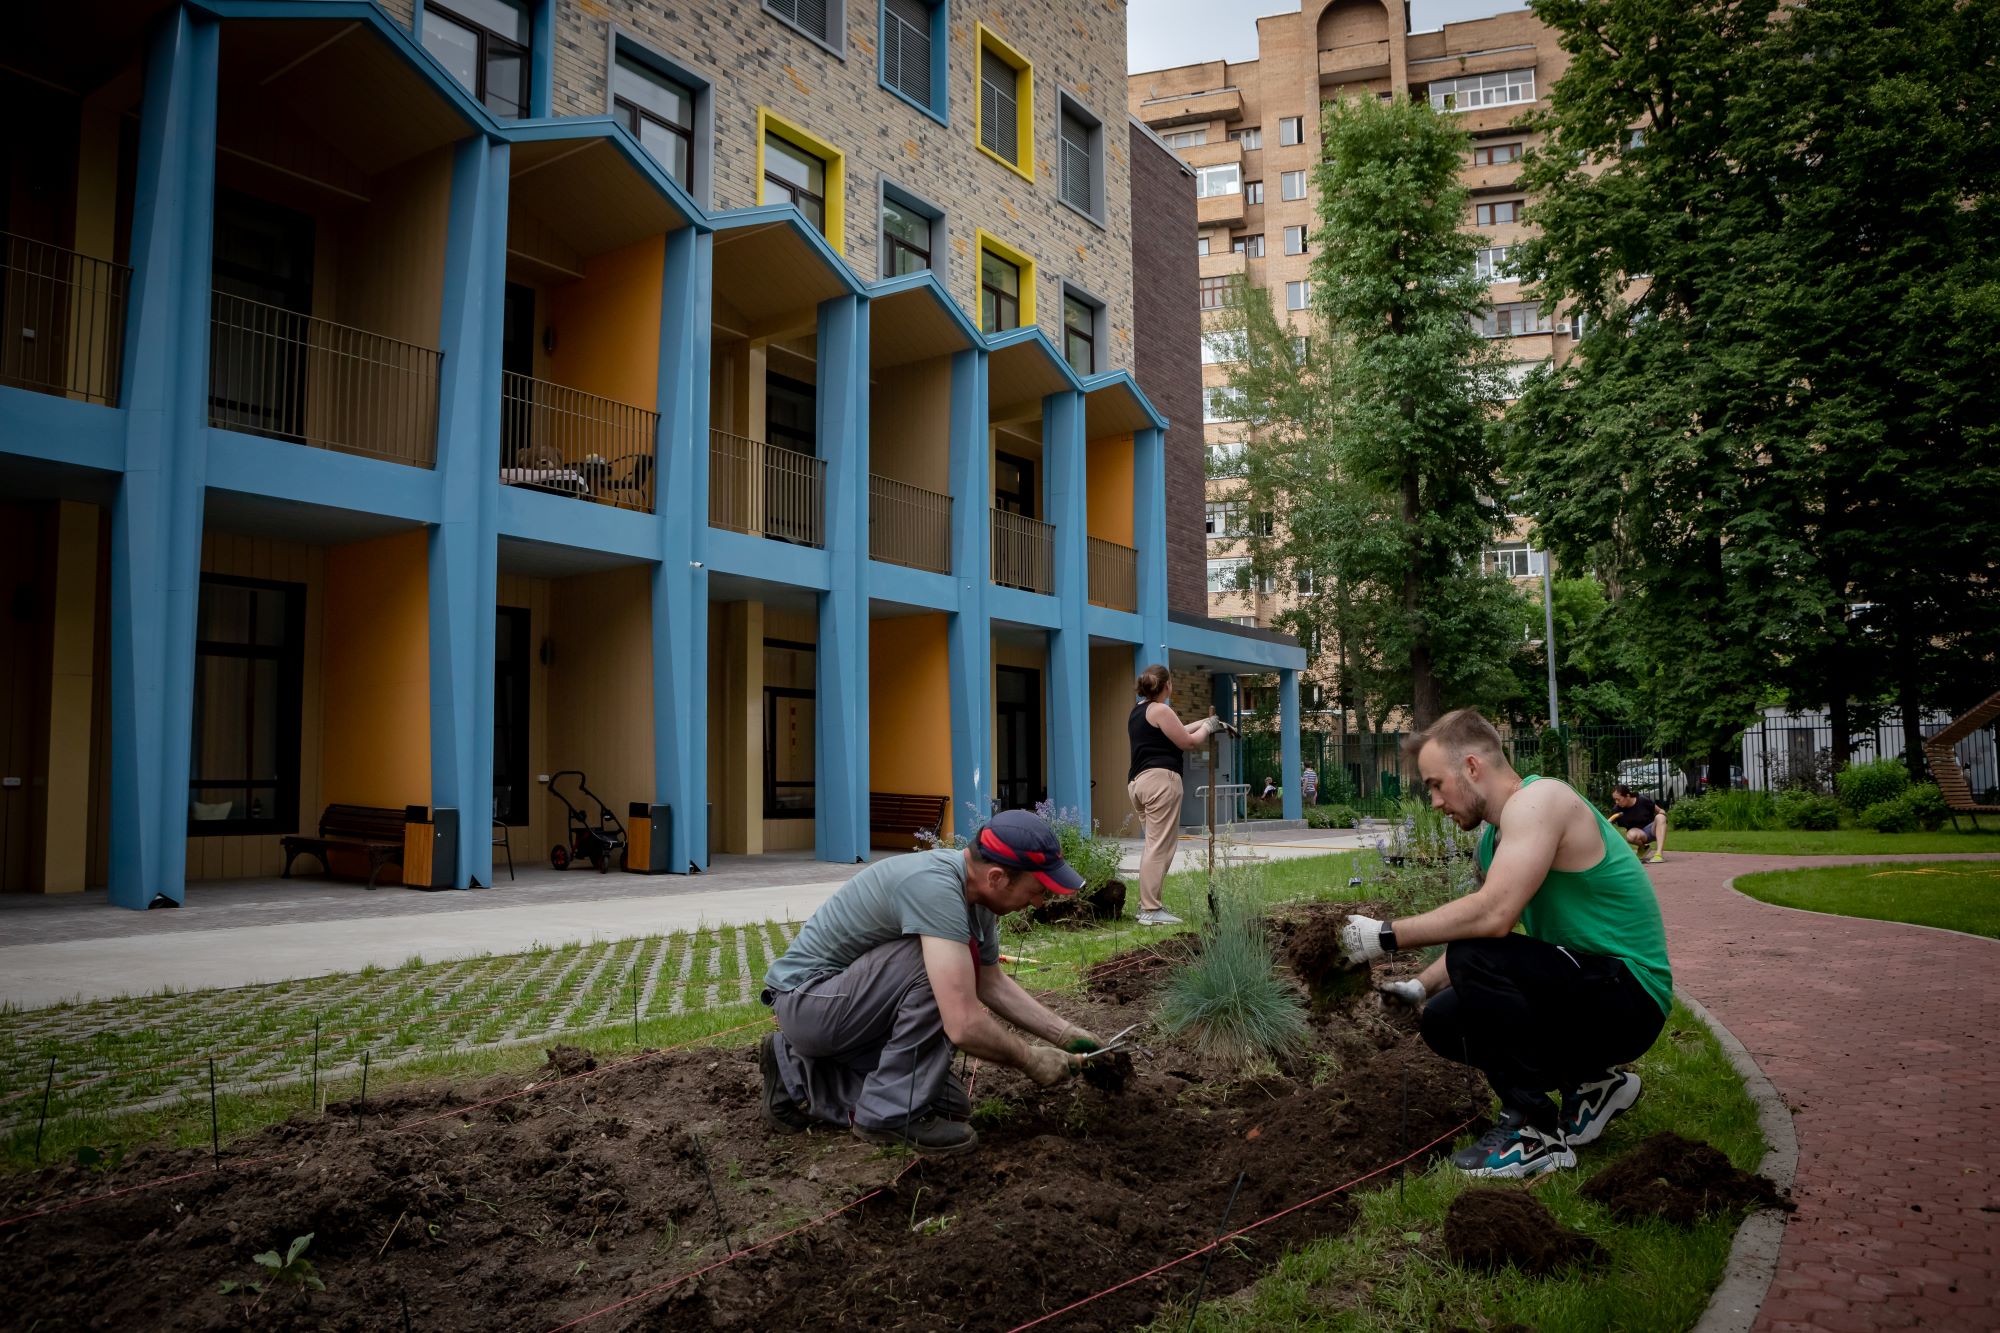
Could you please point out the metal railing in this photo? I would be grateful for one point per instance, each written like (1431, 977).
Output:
(568, 442)
(288, 376)
(62, 320)
(766, 491)
(1024, 552)
(908, 525)
(1114, 575)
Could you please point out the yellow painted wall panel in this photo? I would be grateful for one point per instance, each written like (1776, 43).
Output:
(1111, 698)
(1108, 488)
(909, 428)
(909, 707)
(391, 253)
(607, 326)
(600, 681)
(376, 746)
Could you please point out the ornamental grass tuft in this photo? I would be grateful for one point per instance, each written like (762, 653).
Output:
(1229, 999)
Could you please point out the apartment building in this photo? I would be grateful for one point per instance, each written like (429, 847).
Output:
(401, 403)
(1250, 131)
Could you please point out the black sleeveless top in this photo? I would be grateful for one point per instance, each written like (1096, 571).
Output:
(1150, 746)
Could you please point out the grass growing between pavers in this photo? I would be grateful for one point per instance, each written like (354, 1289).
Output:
(1833, 842)
(1953, 895)
(1390, 1271)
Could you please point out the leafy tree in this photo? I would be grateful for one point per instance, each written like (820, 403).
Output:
(1372, 456)
(1594, 679)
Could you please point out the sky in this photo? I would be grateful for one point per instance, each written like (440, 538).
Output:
(1160, 34)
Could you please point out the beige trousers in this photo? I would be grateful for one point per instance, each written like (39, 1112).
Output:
(1156, 795)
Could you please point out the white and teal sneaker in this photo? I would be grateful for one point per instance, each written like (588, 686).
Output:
(1588, 1109)
(1513, 1150)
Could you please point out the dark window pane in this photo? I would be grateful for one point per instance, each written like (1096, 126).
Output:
(455, 46)
(506, 81)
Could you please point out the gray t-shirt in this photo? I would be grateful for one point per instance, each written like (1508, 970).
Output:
(921, 893)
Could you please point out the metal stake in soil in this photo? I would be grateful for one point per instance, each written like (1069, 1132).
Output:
(721, 1228)
(214, 1121)
(47, 1088)
(362, 1105)
(1403, 1167)
(631, 975)
(314, 1103)
(1208, 1263)
(1214, 776)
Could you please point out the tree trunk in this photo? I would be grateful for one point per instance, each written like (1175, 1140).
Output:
(1908, 700)
(1719, 760)
(1426, 702)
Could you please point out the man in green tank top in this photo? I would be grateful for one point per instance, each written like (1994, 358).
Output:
(1583, 988)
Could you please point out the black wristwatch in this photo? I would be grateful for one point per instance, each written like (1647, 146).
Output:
(1388, 937)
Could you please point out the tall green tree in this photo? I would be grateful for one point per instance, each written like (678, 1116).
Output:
(1372, 456)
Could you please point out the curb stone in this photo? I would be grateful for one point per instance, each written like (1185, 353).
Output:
(1753, 1257)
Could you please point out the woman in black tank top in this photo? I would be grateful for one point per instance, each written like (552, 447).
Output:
(1154, 782)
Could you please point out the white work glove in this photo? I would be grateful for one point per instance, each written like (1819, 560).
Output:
(1360, 940)
(1409, 991)
(1048, 1066)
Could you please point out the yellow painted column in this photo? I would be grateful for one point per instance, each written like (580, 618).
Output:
(62, 848)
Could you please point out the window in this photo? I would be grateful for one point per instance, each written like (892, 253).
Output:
(1636, 139)
(1478, 90)
(1513, 321)
(821, 20)
(1224, 519)
(789, 729)
(1006, 286)
(1222, 404)
(1006, 104)
(1082, 142)
(1201, 245)
(660, 113)
(484, 44)
(1297, 295)
(512, 663)
(1496, 215)
(913, 37)
(1219, 293)
(1080, 316)
(1014, 484)
(1225, 179)
(1253, 192)
(1295, 240)
(1292, 185)
(906, 238)
(1301, 349)
(1217, 349)
(1251, 246)
(1230, 574)
(1226, 459)
(248, 680)
(1265, 524)
(1185, 139)
(1490, 263)
(1266, 583)
(1576, 326)
(1511, 560)
(1251, 139)
(1496, 154)
(794, 167)
(1291, 130)
(791, 414)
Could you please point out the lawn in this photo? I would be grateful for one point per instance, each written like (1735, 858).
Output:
(1955, 895)
(1837, 842)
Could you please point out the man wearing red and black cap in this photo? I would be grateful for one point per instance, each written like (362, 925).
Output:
(896, 970)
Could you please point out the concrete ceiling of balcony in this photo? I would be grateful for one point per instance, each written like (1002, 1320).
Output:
(573, 199)
(740, 588)
(912, 325)
(43, 37)
(1114, 409)
(769, 281)
(1019, 375)
(288, 520)
(546, 560)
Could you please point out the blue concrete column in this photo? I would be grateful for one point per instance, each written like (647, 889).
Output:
(156, 516)
(1222, 694)
(464, 546)
(1288, 724)
(680, 580)
(1149, 534)
(968, 633)
(1063, 446)
(840, 783)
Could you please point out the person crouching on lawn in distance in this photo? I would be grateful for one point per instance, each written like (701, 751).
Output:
(896, 970)
(1641, 822)
(1154, 782)
(1585, 989)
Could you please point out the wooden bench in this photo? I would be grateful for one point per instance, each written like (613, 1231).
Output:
(895, 818)
(1942, 752)
(369, 830)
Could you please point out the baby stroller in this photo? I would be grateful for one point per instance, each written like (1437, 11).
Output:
(592, 842)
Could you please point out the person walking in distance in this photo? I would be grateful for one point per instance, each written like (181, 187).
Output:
(1158, 741)
(1308, 786)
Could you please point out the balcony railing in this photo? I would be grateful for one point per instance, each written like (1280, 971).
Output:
(1024, 552)
(908, 525)
(62, 320)
(288, 376)
(1114, 575)
(766, 491)
(568, 442)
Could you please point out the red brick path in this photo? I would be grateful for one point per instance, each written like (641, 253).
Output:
(1885, 1041)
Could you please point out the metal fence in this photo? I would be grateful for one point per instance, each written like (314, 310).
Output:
(62, 320)
(766, 491)
(908, 525)
(563, 440)
(1796, 750)
(1114, 575)
(1024, 552)
(278, 373)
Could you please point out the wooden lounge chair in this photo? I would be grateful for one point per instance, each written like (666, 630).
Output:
(1942, 752)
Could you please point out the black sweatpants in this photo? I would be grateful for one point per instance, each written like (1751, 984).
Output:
(1534, 1017)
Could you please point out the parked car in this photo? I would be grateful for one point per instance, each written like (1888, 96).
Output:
(1736, 779)
(1657, 778)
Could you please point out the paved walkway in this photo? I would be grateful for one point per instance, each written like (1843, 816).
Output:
(1881, 1037)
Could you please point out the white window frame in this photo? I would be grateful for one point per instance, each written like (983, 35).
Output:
(1295, 240)
(1180, 139)
(1213, 349)
(1228, 574)
(1201, 246)
(1287, 181)
(1298, 295)
(1253, 192)
(1503, 558)
(1513, 319)
(1291, 130)
(1223, 178)
(1474, 92)
(1227, 458)
(1493, 263)
(1220, 403)
(1252, 138)
(1223, 519)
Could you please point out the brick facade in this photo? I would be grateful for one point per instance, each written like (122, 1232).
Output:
(753, 59)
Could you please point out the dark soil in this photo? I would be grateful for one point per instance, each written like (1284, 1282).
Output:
(1108, 1073)
(1493, 1228)
(1682, 1180)
(1313, 950)
(565, 1196)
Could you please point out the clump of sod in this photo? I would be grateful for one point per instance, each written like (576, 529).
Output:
(1229, 999)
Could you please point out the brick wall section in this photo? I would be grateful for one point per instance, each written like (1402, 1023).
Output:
(1167, 355)
(753, 59)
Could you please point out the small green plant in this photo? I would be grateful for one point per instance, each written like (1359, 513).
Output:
(294, 1268)
(1890, 816)
(1229, 999)
(1863, 786)
(100, 1159)
(1331, 816)
(993, 1111)
(1799, 809)
(1926, 804)
(1741, 811)
(1691, 813)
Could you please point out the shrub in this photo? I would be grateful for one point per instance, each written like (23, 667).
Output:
(1331, 816)
(1865, 785)
(1230, 999)
(1094, 856)
(1335, 787)
(1892, 816)
(1691, 813)
(1740, 811)
(1800, 809)
(1927, 805)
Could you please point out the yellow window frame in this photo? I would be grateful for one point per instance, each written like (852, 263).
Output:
(770, 122)
(985, 39)
(987, 241)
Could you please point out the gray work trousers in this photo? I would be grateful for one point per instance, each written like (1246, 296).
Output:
(866, 1046)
